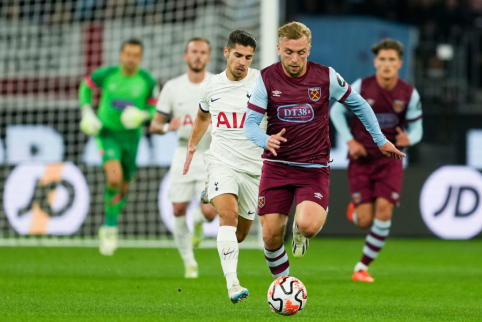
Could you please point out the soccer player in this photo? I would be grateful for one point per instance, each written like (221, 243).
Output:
(129, 96)
(295, 95)
(179, 98)
(233, 162)
(375, 182)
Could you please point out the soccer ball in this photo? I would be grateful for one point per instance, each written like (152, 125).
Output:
(287, 295)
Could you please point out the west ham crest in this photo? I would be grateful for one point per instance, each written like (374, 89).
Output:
(261, 201)
(356, 197)
(398, 106)
(314, 93)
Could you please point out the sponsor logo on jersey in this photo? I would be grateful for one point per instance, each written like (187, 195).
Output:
(261, 201)
(356, 197)
(121, 104)
(398, 106)
(300, 113)
(387, 120)
(276, 93)
(314, 93)
(340, 80)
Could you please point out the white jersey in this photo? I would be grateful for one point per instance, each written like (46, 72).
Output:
(227, 101)
(180, 97)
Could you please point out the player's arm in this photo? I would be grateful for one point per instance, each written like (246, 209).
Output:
(90, 123)
(162, 110)
(414, 119)
(257, 106)
(338, 117)
(200, 126)
(343, 93)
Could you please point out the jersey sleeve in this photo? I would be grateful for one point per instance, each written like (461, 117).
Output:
(339, 88)
(164, 103)
(204, 99)
(414, 118)
(259, 98)
(97, 78)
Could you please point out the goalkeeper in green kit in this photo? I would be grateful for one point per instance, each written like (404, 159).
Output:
(128, 99)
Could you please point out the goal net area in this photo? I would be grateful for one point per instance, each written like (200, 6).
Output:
(51, 180)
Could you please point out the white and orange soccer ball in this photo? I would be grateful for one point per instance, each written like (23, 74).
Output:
(287, 295)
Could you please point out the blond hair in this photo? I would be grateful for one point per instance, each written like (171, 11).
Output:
(294, 30)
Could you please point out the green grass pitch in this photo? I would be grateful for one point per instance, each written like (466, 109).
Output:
(416, 280)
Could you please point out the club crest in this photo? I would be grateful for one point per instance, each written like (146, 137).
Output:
(314, 93)
(261, 201)
(356, 197)
(398, 106)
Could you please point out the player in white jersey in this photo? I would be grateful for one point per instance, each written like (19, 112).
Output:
(233, 161)
(179, 99)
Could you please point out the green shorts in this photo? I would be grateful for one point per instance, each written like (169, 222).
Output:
(120, 145)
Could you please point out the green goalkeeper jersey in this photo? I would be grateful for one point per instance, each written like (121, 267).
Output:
(118, 92)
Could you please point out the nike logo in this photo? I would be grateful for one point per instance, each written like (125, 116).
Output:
(215, 99)
(250, 212)
(226, 254)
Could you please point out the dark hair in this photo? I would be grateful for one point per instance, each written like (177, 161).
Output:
(199, 39)
(388, 43)
(241, 37)
(132, 41)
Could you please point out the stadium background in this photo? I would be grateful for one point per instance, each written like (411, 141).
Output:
(47, 47)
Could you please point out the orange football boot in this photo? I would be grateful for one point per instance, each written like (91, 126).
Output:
(349, 211)
(362, 276)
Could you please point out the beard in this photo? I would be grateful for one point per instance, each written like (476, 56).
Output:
(196, 69)
(291, 73)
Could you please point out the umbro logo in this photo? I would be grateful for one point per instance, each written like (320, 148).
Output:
(215, 99)
(318, 195)
(276, 93)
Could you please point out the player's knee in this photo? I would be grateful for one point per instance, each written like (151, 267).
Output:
(241, 236)
(308, 229)
(364, 221)
(228, 217)
(272, 241)
(384, 214)
(209, 214)
(179, 209)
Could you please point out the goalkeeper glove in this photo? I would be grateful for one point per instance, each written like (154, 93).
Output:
(90, 123)
(132, 117)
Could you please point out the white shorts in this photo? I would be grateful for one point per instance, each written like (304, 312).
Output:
(180, 192)
(223, 179)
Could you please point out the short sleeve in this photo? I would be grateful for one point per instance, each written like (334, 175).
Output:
(204, 99)
(414, 111)
(164, 103)
(339, 88)
(97, 78)
(259, 98)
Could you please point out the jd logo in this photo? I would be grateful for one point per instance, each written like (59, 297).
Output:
(450, 202)
(44, 199)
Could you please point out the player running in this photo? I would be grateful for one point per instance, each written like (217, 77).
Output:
(233, 162)
(179, 98)
(129, 96)
(375, 182)
(295, 94)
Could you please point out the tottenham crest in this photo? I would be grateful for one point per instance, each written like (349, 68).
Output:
(314, 93)
(261, 202)
(398, 106)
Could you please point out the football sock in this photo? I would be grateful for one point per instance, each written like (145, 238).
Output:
(199, 217)
(228, 250)
(375, 240)
(113, 203)
(183, 240)
(278, 262)
(355, 218)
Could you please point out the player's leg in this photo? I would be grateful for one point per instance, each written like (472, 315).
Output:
(360, 211)
(363, 215)
(274, 226)
(312, 195)
(180, 194)
(204, 214)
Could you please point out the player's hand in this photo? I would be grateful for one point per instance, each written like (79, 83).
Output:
(132, 117)
(401, 139)
(356, 150)
(174, 124)
(190, 153)
(90, 123)
(389, 150)
(274, 142)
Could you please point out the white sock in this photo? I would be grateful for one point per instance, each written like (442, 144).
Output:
(355, 218)
(228, 250)
(199, 217)
(360, 267)
(183, 241)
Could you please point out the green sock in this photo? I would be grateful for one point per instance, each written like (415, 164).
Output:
(112, 204)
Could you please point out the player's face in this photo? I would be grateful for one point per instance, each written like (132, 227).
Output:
(197, 55)
(294, 54)
(387, 63)
(239, 59)
(130, 57)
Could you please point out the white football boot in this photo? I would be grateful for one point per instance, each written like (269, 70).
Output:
(237, 293)
(300, 243)
(108, 240)
(191, 271)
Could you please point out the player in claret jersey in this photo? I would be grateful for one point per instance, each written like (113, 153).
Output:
(233, 162)
(376, 182)
(295, 95)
